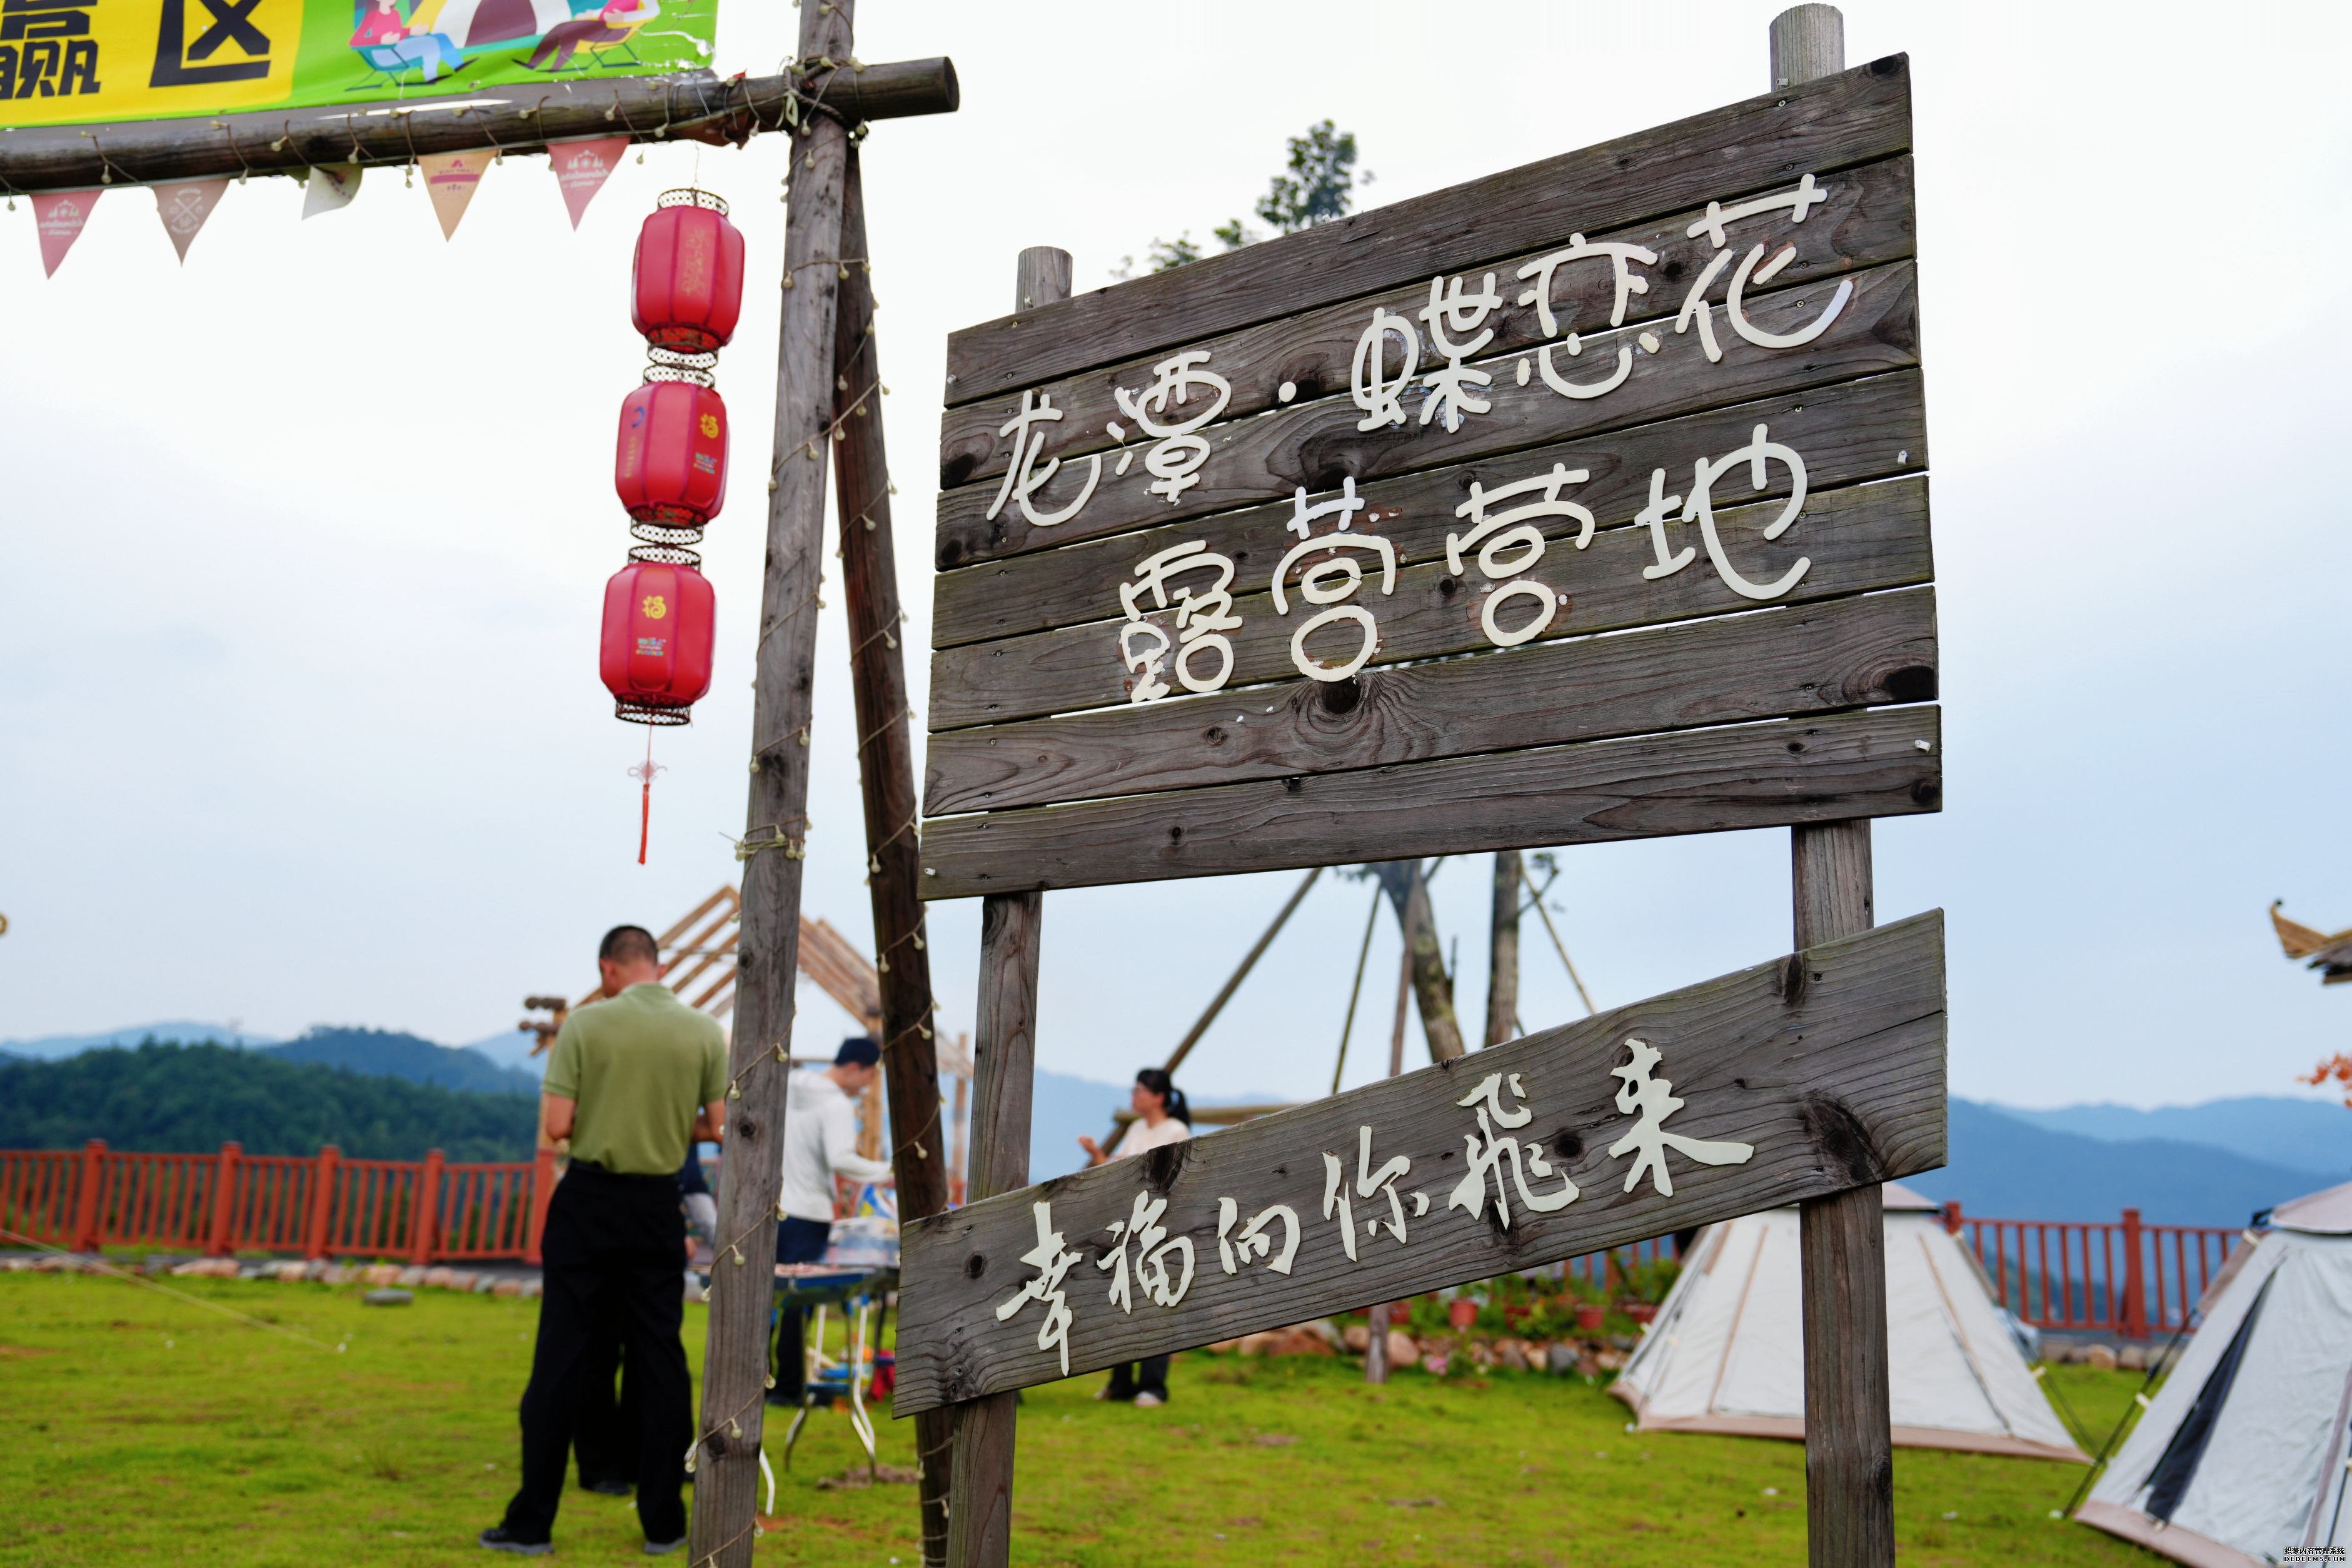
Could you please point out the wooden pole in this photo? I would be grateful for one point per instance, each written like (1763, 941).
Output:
(1004, 1063)
(1004, 1055)
(1356, 989)
(1848, 1450)
(776, 835)
(1407, 889)
(1376, 1348)
(1404, 993)
(520, 119)
(1503, 951)
(877, 672)
(1249, 961)
(1557, 946)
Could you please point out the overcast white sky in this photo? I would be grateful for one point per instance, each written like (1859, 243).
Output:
(305, 541)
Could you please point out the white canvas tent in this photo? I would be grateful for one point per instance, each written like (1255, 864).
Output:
(1725, 1354)
(2242, 1455)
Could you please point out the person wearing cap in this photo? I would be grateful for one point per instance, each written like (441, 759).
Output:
(820, 1144)
(631, 1082)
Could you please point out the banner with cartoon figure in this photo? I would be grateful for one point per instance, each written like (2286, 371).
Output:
(67, 61)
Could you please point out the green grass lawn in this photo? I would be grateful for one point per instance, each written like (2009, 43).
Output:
(136, 1427)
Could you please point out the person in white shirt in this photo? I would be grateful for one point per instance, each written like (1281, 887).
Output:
(1161, 1117)
(820, 1144)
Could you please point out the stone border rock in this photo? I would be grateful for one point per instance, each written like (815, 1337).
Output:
(522, 1284)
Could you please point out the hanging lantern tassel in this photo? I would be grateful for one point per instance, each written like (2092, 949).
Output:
(644, 773)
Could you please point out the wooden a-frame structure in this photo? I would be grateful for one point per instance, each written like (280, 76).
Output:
(828, 383)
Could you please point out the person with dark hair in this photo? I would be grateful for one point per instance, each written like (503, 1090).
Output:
(1161, 1117)
(820, 1144)
(634, 1079)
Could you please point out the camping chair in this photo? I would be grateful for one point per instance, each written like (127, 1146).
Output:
(388, 66)
(613, 53)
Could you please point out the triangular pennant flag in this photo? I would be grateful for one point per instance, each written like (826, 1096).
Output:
(449, 180)
(583, 167)
(184, 208)
(58, 217)
(329, 187)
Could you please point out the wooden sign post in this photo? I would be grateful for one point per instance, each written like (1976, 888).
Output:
(1584, 502)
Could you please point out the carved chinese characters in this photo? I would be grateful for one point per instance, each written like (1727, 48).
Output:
(1421, 372)
(1367, 1200)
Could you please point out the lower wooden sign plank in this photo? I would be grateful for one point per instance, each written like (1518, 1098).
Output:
(1315, 445)
(1871, 428)
(1878, 762)
(1852, 541)
(1850, 653)
(1863, 219)
(1807, 1075)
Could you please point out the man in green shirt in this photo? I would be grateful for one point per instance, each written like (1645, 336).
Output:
(634, 1079)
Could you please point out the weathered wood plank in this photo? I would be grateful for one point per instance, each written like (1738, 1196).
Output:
(1829, 1064)
(1871, 428)
(1317, 445)
(1865, 220)
(523, 117)
(1858, 539)
(1883, 763)
(1849, 653)
(1858, 117)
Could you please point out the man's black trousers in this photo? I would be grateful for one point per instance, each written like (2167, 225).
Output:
(614, 1257)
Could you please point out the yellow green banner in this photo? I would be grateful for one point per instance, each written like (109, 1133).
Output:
(69, 61)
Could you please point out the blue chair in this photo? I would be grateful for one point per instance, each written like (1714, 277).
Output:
(388, 66)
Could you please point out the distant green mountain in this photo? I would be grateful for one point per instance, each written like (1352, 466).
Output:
(2007, 1168)
(2304, 1134)
(183, 1099)
(389, 1054)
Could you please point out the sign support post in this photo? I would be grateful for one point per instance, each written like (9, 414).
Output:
(1005, 1054)
(1849, 1441)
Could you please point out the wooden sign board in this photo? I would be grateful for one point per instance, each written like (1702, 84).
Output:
(1791, 1081)
(1586, 502)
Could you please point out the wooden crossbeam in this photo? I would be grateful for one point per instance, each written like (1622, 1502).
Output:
(521, 119)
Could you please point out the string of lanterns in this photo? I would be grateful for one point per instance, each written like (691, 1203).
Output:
(669, 468)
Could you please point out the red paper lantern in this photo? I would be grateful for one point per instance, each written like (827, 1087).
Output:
(659, 623)
(688, 286)
(669, 465)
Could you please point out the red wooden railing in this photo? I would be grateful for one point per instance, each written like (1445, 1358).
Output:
(424, 1210)
(2124, 1278)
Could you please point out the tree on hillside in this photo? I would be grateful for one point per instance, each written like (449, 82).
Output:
(1317, 185)
(182, 1098)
